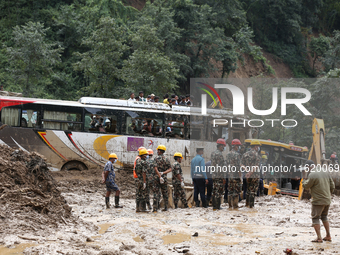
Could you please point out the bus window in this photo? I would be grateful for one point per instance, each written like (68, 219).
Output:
(175, 128)
(100, 123)
(10, 116)
(196, 127)
(62, 120)
(145, 125)
(29, 118)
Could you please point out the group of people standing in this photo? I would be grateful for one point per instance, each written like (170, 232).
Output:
(222, 168)
(171, 100)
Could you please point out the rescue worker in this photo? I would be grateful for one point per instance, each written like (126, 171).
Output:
(134, 164)
(218, 176)
(141, 170)
(150, 176)
(162, 168)
(251, 163)
(199, 177)
(108, 177)
(178, 181)
(233, 161)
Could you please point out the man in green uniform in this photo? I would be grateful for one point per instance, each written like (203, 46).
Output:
(162, 168)
(150, 176)
(233, 161)
(141, 169)
(178, 181)
(217, 161)
(251, 164)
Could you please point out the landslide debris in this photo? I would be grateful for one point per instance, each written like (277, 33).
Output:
(29, 197)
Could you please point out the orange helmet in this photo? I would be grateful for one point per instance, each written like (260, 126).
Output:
(221, 141)
(141, 148)
(333, 156)
(150, 152)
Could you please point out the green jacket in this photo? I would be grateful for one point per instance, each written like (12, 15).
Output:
(321, 185)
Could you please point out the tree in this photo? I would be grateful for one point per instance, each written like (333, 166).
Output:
(318, 47)
(148, 68)
(32, 58)
(102, 62)
(332, 55)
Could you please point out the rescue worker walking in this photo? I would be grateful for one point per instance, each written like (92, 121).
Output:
(141, 170)
(178, 181)
(108, 177)
(218, 176)
(162, 168)
(233, 161)
(251, 163)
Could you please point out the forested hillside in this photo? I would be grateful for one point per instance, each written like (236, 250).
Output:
(70, 48)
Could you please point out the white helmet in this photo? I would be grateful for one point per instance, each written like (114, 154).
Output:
(94, 116)
(107, 121)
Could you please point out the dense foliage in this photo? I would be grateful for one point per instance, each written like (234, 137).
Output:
(70, 48)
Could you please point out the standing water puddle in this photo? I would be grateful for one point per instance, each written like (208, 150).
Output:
(18, 249)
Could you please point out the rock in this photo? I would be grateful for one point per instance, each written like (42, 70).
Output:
(89, 239)
(195, 234)
(294, 234)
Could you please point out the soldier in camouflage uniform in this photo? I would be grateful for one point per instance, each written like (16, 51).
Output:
(150, 177)
(177, 181)
(251, 163)
(162, 167)
(141, 170)
(233, 161)
(218, 175)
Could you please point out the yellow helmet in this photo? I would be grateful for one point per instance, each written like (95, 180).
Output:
(178, 154)
(263, 153)
(264, 156)
(161, 147)
(255, 142)
(113, 155)
(143, 152)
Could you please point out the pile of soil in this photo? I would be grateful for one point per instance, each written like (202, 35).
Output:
(29, 198)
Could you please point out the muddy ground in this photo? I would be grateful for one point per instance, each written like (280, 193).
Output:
(276, 223)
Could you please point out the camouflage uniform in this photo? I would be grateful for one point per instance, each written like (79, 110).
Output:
(141, 167)
(250, 159)
(149, 178)
(178, 190)
(218, 176)
(162, 164)
(233, 160)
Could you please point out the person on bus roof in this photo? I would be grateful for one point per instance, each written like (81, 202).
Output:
(141, 96)
(132, 97)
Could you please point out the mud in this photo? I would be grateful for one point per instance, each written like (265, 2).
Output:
(276, 223)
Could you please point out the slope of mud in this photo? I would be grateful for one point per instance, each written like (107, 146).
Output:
(30, 201)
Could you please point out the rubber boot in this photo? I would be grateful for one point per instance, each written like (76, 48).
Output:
(247, 200)
(143, 205)
(137, 206)
(261, 192)
(186, 205)
(235, 201)
(107, 202)
(149, 205)
(251, 201)
(218, 203)
(214, 203)
(175, 205)
(204, 204)
(165, 208)
(117, 202)
(197, 203)
(230, 201)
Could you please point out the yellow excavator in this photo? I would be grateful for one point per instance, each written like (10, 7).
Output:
(317, 153)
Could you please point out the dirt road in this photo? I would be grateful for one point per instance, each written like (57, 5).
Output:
(276, 223)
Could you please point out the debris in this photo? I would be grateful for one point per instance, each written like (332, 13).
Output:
(280, 233)
(29, 238)
(89, 239)
(195, 234)
(182, 249)
(288, 251)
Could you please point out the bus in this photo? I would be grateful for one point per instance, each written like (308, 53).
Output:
(283, 162)
(81, 134)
